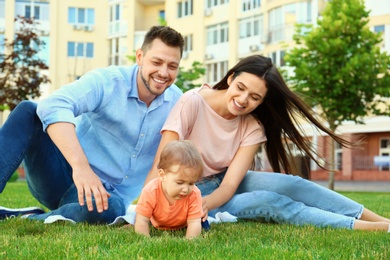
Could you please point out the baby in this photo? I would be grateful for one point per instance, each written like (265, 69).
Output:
(172, 201)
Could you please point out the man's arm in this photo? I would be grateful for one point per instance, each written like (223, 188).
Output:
(86, 181)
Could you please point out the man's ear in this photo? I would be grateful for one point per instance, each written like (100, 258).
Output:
(138, 56)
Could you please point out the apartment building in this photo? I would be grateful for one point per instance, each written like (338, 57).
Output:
(81, 35)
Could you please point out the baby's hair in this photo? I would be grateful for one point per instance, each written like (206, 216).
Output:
(183, 153)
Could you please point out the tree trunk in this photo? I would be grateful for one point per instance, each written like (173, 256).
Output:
(332, 160)
(332, 165)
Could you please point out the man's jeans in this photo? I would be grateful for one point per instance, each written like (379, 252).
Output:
(49, 176)
(281, 198)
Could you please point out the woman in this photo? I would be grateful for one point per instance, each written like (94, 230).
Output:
(252, 105)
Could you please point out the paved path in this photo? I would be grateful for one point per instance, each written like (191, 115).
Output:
(370, 186)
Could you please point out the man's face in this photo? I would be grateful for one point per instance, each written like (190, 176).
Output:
(158, 67)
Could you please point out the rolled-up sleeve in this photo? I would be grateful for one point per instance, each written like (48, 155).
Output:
(73, 99)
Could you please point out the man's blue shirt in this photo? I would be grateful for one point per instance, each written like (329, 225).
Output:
(117, 131)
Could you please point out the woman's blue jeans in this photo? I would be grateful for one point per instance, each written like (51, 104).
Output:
(282, 198)
(48, 174)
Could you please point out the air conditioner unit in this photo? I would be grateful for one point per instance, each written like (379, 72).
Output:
(209, 56)
(208, 12)
(185, 55)
(2, 29)
(88, 28)
(77, 27)
(254, 47)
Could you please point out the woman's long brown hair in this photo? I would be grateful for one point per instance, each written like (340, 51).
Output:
(280, 114)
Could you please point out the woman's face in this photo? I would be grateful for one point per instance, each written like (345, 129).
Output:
(245, 93)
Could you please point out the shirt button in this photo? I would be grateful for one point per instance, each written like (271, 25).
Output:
(133, 155)
(141, 135)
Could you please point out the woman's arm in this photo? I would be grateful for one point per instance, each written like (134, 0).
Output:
(167, 136)
(234, 175)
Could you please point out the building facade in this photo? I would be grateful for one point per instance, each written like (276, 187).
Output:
(81, 35)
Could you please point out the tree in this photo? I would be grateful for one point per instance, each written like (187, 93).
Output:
(339, 67)
(185, 78)
(20, 66)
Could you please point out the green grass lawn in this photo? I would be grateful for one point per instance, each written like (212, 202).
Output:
(25, 239)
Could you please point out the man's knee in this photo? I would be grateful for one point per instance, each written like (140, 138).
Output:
(26, 106)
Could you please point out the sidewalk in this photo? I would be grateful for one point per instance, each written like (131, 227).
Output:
(370, 186)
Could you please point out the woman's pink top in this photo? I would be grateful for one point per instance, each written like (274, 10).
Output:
(216, 138)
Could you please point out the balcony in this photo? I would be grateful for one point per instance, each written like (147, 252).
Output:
(151, 2)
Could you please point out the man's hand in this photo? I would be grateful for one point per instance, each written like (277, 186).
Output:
(88, 184)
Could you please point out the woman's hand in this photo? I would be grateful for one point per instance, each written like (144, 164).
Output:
(205, 209)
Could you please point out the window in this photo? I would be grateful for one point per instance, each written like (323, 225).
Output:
(2, 9)
(1, 43)
(184, 8)
(118, 51)
(44, 52)
(79, 49)
(282, 62)
(217, 34)
(114, 51)
(384, 150)
(252, 26)
(248, 5)
(379, 28)
(116, 25)
(161, 14)
(216, 71)
(277, 58)
(30, 9)
(115, 12)
(211, 3)
(188, 43)
(81, 16)
(281, 20)
(32, 12)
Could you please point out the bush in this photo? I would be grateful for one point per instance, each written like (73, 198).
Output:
(14, 177)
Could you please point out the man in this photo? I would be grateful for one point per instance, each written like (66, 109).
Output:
(88, 147)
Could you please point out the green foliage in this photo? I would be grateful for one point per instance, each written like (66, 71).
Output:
(339, 65)
(24, 239)
(14, 177)
(133, 57)
(162, 21)
(185, 78)
(20, 66)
